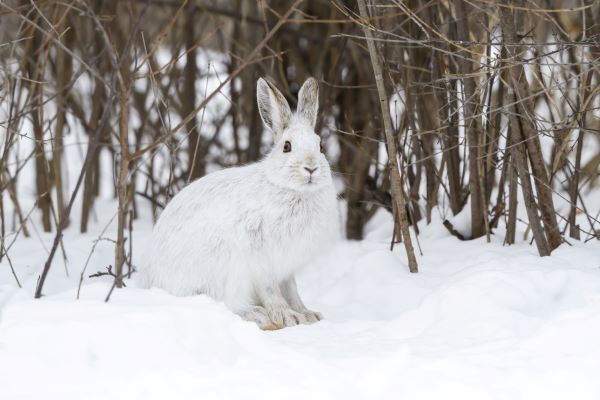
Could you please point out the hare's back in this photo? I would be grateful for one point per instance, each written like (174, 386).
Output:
(210, 200)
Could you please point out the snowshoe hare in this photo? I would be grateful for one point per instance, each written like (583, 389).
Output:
(240, 234)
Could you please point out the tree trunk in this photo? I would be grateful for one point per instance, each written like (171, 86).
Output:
(528, 132)
(196, 145)
(472, 127)
(396, 179)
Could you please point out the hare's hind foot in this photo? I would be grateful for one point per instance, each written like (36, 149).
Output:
(260, 316)
(277, 318)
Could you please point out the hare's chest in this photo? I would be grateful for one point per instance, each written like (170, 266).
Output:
(289, 233)
(288, 221)
(306, 228)
(302, 217)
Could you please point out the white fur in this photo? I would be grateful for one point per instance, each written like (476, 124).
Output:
(239, 235)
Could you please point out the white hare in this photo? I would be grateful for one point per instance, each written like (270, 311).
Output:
(240, 234)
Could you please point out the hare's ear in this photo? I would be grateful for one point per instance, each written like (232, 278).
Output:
(273, 107)
(308, 101)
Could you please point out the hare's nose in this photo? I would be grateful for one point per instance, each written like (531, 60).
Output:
(310, 170)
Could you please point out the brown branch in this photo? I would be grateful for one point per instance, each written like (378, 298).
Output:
(396, 179)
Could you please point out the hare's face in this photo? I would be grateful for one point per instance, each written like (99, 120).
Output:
(296, 160)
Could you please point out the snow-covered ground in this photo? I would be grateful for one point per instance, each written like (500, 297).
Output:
(480, 321)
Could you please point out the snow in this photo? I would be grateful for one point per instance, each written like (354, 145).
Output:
(479, 321)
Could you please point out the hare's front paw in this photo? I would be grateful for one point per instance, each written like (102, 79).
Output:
(312, 316)
(285, 316)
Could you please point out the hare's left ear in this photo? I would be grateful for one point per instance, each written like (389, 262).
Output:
(308, 101)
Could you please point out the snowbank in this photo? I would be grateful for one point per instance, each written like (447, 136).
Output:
(480, 321)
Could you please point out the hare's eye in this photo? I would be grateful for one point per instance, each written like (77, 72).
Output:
(322, 149)
(287, 146)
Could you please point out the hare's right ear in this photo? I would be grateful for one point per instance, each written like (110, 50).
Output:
(273, 107)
